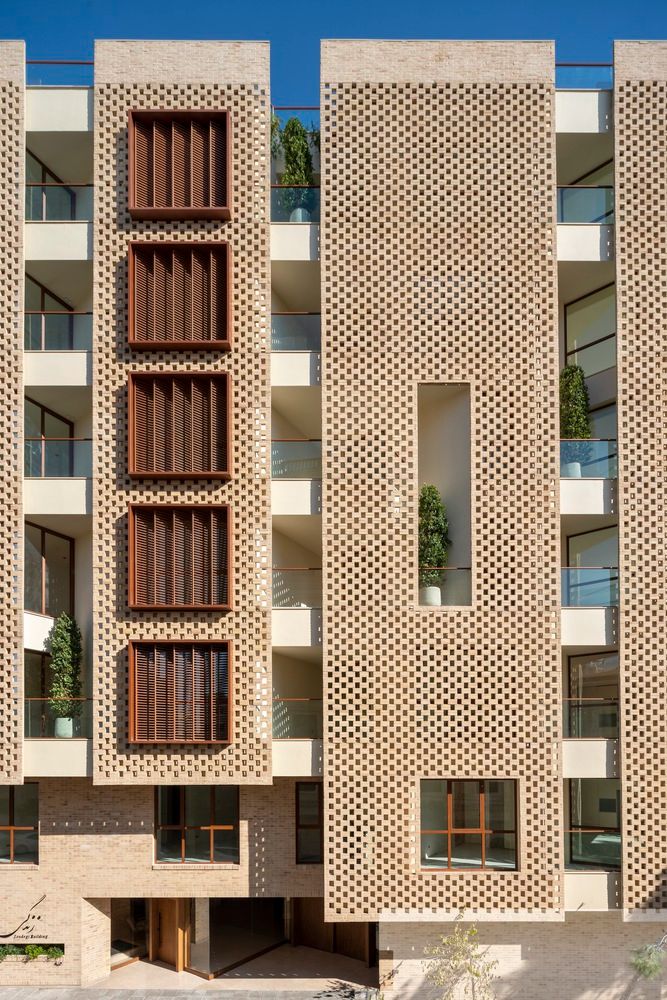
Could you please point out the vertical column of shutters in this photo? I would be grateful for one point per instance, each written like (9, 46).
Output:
(180, 425)
(179, 164)
(179, 295)
(180, 556)
(180, 692)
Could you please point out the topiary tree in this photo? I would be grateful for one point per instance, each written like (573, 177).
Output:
(295, 143)
(434, 540)
(575, 421)
(459, 967)
(64, 644)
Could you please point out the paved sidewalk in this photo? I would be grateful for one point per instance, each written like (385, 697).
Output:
(328, 991)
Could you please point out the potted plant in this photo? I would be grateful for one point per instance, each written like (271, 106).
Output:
(297, 176)
(574, 419)
(64, 644)
(434, 542)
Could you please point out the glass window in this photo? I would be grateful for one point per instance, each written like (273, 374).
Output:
(594, 837)
(197, 824)
(604, 422)
(593, 548)
(468, 825)
(48, 571)
(309, 822)
(19, 824)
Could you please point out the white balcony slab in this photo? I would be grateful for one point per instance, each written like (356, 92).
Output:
(297, 758)
(296, 627)
(584, 110)
(588, 496)
(593, 891)
(298, 368)
(296, 496)
(58, 241)
(69, 368)
(585, 242)
(59, 109)
(590, 758)
(295, 241)
(36, 629)
(589, 626)
(57, 758)
(57, 496)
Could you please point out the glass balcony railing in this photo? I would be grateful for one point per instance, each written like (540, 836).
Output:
(594, 846)
(296, 459)
(584, 76)
(58, 458)
(295, 203)
(595, 357)
(297, 718)
(590, 718)
(297, 587)
(443, 586)
(295, 331)
(581, 205)
(58, 331)
(48, 718)
(595, 458)
(58, 202)
(589, 586)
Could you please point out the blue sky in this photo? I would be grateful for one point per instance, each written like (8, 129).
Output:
(583, 30)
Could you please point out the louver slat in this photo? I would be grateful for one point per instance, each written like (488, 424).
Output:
(180, 692)
(161, 164)
(143, 164)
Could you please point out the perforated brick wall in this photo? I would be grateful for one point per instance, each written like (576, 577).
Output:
(641, 261)
(12, 159)
(241, 86)
(438, 263)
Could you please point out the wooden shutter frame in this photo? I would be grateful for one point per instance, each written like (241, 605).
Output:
(132, 582)
(164, 114)
(212, 644)
(224, 378)
(222, 250)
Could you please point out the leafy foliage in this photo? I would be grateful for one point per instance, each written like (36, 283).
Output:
(458, 963)
(648, 961)
(434, 540)
(31, 952)
(574, 417)
(295, 144)
(10, 949)
(66, 651)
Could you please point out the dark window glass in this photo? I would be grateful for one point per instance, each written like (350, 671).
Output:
(468, 825)
(197, 824)
(19, 824)
(309, 812)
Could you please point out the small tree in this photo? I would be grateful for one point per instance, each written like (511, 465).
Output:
(65, 648)
(434, 540)
(458, 963)
(575, 421)
(295, 143)
(648, 960)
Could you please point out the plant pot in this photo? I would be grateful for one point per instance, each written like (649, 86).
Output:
(63, 729)
(300, 215)
(430, 597)
(571, 470)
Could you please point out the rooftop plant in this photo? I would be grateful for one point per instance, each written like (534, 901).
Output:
(434, 540)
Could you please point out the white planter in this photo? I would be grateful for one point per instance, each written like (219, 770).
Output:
(571, 470)
(63, 729)
(430, 597)
(300, 215)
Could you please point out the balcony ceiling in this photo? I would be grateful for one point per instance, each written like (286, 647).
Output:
(296, 285)
(579, 277)
(68, 154)
(578, 153)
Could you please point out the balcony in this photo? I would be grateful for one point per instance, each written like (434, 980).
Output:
(295, 343)
(585, 222)
(57, 476)
(592, 891)
(590, 758)
(294, 758)
(295, 203)
(56, 202)
(43, 720)
(59, 109)
(299, 587)
(295, 217)
(589, 586)
(592, 458)
(296, 458)
(584, 76)
(445, 586)
(590, 718)
(58, 348)
(592, 822)
(297, 718)
(599, 847)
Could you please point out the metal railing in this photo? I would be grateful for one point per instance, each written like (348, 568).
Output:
(599, 847)
(77, 72)
(297, 718)
(294, 458)
(589, 586)
(57, 330)
(295, 331)
(596, 356)
(584, 76)
(295, 203)
(55, 202)
(590, 458)
(590, 718)
(583, 205)
(297, 587)
(43, 719)
(443, 586)
(58, 458)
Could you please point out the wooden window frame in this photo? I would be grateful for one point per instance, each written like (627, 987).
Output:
(309, 826)
(72, 568)
(222, 212)
(12, 828)
(184, 827)
(219, 643)
(224, 251)
(133, 379)
(133, 602)
(482, 832)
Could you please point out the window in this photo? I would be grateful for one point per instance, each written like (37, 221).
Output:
(594, 834)
(179, 164)
(179, 426)
(179, 557)
(180, 692)
(197, 824)
(309, 822)
(468, 825)
(19, 819)
(48, 583)
(48, 449)
(179, 295)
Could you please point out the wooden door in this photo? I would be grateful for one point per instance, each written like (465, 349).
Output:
(168, 932)
(308, 926)
(353, 940)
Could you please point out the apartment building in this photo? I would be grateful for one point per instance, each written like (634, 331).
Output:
(223, 392)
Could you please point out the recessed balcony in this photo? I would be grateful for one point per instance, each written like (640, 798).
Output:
(295, 346)
(592, 820)
(585, 222)
(58, 348)
(57, 476)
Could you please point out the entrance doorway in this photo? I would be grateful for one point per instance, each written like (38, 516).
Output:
(167, 932)
(355, 940)
(129, 931)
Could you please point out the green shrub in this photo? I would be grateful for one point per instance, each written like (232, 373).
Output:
(33, 951)
(54, 951)
(647, 961)
(434, 539)
(295, 143)
(65, 649)
(10, 949)
(574, 416)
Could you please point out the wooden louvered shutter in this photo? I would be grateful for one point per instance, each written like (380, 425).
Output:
(162, 422)
(201, 556)
(201, 289)
(181, 325)
(181, 159)
(182, 425)
(183, 569)
(161, 164)
(200, 164)
(201, 425)
(218, 424)
(220, 556)
(142, 416)
(164, 557)
(144, 557)
(143, 164)
(218, 143)
(220, 690)
(162, 285)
